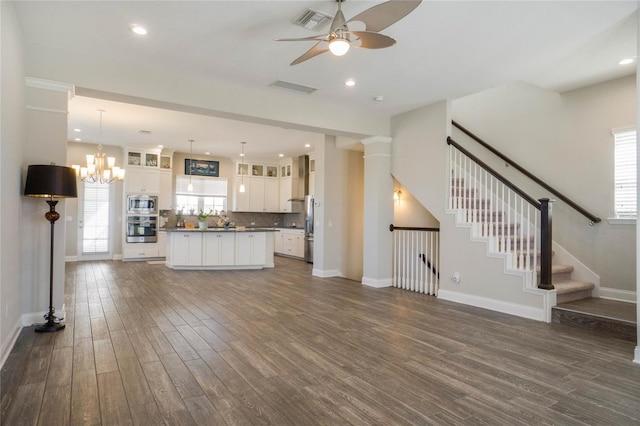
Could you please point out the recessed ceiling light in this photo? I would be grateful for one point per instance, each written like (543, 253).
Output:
(137, 29)
(307, 145)
(280, 155)
(350, 83)
(77, 130)
(160, 146)
(378, 98)
(207, 153)
(144, 132)
(626, 61)
(242, 154)
(77, 140)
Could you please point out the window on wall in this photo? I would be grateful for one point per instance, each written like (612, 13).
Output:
(208, 194)
(625, 173)
(95, 230)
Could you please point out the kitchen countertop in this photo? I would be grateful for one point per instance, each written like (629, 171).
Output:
(220, 229)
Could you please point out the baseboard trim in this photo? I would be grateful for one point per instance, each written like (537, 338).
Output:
(616, 294)
(493, 305)
(328, 273)
(71, 258)
(371, 282)
(636, 359)
(7, 345)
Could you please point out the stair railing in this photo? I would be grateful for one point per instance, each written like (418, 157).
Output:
(515, 224)
(416, 259)
(593, 219)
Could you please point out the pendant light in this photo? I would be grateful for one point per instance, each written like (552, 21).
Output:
(242, 189)
(100, 168)
(190, 186)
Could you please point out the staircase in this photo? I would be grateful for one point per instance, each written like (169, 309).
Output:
(509, 227)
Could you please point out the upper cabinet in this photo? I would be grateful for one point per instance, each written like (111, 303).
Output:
(166, 162)
(143, 158)
(142, 181)
(148, 171)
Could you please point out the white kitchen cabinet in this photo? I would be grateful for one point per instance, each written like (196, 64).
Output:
(271, 195)
(250, 248)
(241, 199)
(142, 181)
(292, 243)
(162, 243)
(132, 251)
(256, 194)
(186, 248)
(278, 241)
(261, 195)
(165, 198)
(218, 249)
(286, 191)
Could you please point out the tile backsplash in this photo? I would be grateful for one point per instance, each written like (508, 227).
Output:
(260, 220)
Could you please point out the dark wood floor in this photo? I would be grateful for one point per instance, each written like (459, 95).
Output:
(148, 345)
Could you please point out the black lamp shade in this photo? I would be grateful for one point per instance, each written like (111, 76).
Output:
(49, 181)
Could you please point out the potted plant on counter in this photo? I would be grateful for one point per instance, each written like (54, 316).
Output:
(203, 217)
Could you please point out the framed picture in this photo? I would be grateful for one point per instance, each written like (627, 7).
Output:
(201, 167)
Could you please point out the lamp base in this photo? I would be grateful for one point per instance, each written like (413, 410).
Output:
(52, 324)
(48, 327)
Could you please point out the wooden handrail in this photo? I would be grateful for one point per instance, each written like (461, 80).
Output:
(497, 175)
(392, 228)
(592, 218)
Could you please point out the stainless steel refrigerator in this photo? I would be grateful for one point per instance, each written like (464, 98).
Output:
(308, 228)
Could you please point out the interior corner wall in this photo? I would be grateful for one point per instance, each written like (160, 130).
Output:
(566, 140)
(46, 143)
(12, 138)
(408, 211)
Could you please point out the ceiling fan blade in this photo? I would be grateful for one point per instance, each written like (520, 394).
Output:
(379, 17)
(314, 51)
(371, 40)
(318, 37)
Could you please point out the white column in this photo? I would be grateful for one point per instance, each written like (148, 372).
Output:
(378, 212)
(46, 143)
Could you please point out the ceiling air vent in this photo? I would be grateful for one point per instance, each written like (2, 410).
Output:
(313, 20)
(292, 86)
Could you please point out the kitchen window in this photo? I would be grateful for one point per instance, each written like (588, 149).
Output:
(208, 193)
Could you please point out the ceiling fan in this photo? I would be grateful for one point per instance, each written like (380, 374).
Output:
(340, 38)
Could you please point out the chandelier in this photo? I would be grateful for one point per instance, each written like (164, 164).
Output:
(100, 168)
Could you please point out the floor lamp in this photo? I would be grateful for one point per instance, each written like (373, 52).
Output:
(51, 182)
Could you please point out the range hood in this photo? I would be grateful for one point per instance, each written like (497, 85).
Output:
(301, 180)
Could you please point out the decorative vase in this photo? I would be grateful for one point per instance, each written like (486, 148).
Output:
(202, 225)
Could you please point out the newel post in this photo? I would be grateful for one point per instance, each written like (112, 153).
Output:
(545, 244)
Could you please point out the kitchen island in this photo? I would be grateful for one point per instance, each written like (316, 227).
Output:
(220, 248)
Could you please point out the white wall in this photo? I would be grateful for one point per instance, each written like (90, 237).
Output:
(12, 139)
(565, 139)
(408, 211)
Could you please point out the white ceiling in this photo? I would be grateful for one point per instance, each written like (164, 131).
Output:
(444, 50)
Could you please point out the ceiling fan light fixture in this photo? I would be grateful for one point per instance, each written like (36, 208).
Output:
(339, 46)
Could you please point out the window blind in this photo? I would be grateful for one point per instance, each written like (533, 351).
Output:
(95, 232)
(626, 204)
(207, 186)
